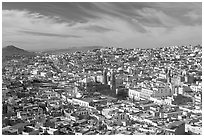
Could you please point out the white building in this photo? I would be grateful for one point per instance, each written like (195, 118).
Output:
(196, 88)
(80, 102)
(162, 91)
(134, 94)
(146, 93)
(99, 78)
(157, 92)
(166, 101)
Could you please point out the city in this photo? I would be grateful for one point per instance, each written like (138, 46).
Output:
(105, 91)
(101, 68)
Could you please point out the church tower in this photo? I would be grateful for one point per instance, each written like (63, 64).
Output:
(105, 78)
(168, 75)
(113, 81)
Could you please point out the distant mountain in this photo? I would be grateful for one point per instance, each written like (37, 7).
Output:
(11, 51)
(72, 49)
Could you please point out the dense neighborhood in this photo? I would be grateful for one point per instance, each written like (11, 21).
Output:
(104, 91)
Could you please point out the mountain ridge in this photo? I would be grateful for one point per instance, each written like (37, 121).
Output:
(11, 51)
(72, 49)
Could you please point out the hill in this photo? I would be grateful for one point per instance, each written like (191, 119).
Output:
(72, 49)
(10, 52)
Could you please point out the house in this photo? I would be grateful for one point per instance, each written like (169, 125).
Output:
(176, 128)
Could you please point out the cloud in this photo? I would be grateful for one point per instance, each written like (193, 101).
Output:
(154, 18)
(110, 10)
(17, 19)
(136, 24)
(194, 16)
(49, 34)
(178, 11)
(96, 28)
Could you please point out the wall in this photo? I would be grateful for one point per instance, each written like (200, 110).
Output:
(146, 93)
(180, 130)
(134, 94)
(162, 92)
(80, 102)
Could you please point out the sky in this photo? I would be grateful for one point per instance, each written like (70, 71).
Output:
(59, 25)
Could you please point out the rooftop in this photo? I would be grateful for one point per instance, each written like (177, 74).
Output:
(175, 124)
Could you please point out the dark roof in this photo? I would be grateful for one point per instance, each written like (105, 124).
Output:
(81, 121)
(175, 124)
(19, 125)
(35, 132)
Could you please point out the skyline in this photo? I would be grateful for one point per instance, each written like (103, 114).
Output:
(32, 25)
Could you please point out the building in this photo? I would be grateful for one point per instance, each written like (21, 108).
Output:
(189, 78)
(107, 112)
(134, 94)
(168, 75)
(105, 77)
(146, 93)
(80, 102)
(198, 101)
(113, 81)
(176, 128)
(162, 101)
(99, 78)
(162, 91)
(119, 82)
(173, 114)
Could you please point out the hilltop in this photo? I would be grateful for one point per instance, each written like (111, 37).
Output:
(11, 51)
(72, 49)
